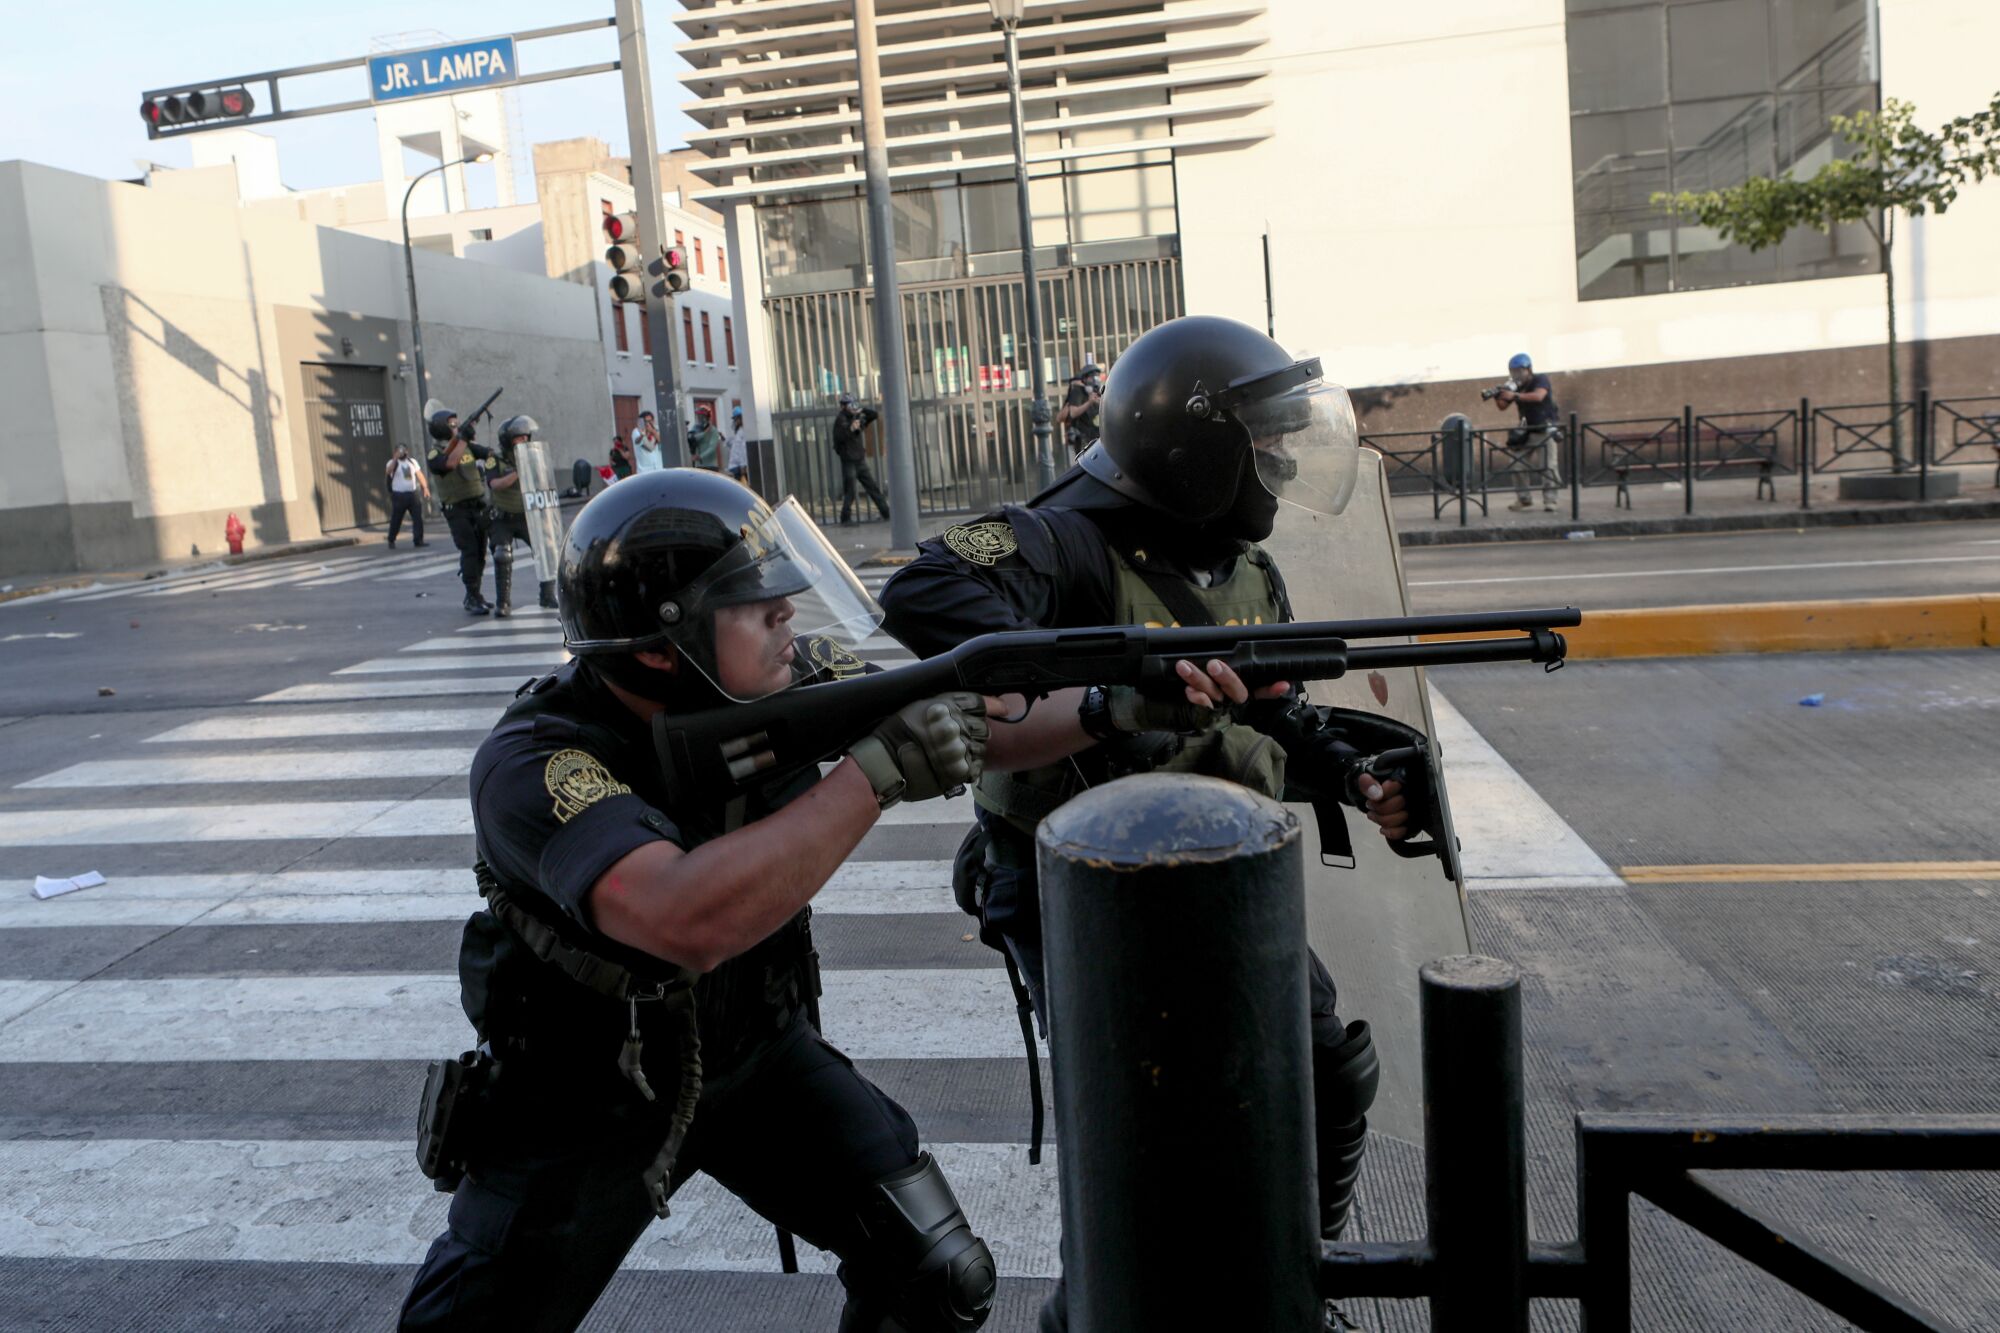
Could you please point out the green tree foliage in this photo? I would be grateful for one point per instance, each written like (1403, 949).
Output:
(1897, 167)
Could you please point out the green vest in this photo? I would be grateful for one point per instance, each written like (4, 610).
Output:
(461, 483)
(1249, 596)
(509, 499)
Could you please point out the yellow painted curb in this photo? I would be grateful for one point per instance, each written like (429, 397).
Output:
(1962, 621)
(1836, 872)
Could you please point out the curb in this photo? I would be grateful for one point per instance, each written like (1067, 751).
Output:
(1888, 623)
(247, 558)
(1648, 527)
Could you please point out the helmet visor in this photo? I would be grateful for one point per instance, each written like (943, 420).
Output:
(777, 608)
(1306, 444)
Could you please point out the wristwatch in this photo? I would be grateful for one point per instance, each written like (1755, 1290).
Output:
(1094, 712)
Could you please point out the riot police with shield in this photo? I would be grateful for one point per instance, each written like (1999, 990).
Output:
(459, 462)
(642, 978)
(1207, 425)
(508, 519)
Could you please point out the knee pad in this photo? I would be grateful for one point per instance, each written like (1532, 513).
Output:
(503, 554)
(935, 1276)
(1346, 1075)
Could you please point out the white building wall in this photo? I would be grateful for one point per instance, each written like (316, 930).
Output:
(1417, 192)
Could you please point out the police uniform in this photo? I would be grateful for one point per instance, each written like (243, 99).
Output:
(507, 523)
(461, 493)
(1088, 553)
(605, 1077)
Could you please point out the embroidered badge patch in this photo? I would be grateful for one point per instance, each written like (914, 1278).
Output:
(982, 543)
(834, 660)
(578, 781)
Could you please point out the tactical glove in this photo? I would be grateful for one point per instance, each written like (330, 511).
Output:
(1123, 710)
(930, 748)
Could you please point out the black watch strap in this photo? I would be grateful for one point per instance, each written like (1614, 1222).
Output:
(1094, 712)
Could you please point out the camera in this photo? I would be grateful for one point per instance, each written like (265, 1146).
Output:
(1488, 395)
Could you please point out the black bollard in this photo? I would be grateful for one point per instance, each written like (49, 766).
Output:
(1475, 1145)
(1173, 924)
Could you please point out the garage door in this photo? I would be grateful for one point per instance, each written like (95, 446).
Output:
(347, 430)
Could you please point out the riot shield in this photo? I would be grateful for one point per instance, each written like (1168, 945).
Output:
(1376, 923)
(544, 506)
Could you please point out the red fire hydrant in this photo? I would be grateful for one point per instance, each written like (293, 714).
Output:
(233, 531)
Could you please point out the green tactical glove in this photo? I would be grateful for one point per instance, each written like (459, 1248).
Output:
(1129, 712)
(927, 749)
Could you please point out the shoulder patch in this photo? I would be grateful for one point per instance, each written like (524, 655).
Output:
(834, 660)
(578, 781)
(982, 543)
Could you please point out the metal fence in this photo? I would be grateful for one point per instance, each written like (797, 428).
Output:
(1693, 447)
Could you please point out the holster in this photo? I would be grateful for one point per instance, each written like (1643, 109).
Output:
(448, 1116)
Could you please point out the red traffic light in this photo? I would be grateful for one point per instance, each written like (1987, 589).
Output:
(614, 227)
(203, 104)
(238, 102)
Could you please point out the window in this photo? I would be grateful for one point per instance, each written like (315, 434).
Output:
(618, 326)
(687, 327)
(707, 342)
(722, 265)
(680, 239)
(699, 267)
(645, 332)
(1670, 95)
(729, 339)
(481, 233)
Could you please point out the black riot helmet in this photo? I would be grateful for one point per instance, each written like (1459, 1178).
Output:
(1200, 404)
(520, 427)
(440, 424)
(648, 563)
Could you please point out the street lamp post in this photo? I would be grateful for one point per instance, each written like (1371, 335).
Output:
(410, 270)
(1009, 13)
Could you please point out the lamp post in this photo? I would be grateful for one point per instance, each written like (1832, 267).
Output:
(410, 270)
(1009, 13)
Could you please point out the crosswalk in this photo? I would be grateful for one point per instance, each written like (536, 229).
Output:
(368, 563)
(213, 1058)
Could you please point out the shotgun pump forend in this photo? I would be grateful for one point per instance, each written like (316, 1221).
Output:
(719, 751)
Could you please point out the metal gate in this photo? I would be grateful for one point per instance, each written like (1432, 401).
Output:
(347, 428)
(971, 384)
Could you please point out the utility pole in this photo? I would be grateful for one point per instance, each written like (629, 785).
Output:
(658, 307)
(1009, 13)
(889, 357)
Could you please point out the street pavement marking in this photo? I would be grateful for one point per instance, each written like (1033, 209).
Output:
(518, 639)
(351, 897)
(252, 766)
(335, 691)
(363, 1201)
(552, 657)
(1716, 569)
(213, 577)
(1510, 838)
(277, 726)
(893, 1014)
(390, 569)
(1835, 872)
(269, 577)
(423, 817)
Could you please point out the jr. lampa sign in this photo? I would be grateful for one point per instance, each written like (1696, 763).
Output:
(442, 69)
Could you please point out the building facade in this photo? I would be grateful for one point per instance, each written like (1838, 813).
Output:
(1412, 193)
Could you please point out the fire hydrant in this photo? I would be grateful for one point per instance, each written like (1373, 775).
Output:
(233, 531)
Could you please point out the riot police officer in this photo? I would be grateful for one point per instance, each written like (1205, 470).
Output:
(1207, 424)
(459, 462)
(507, 523)
(642, 975)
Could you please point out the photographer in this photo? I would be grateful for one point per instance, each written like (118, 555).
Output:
(1078, 416)
(848, 425)
(1534, 440)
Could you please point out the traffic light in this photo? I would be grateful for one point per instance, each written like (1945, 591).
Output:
(628, 283)
(672, 270)
(206, 104)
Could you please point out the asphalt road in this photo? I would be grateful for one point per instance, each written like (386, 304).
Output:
(1894, 560)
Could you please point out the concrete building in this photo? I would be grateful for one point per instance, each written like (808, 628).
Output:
(1411, 192)
(170, 356)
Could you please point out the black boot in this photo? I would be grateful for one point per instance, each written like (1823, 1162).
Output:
(503, 590)
(474, 604)
(548, 597)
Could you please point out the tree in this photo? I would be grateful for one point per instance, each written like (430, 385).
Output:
(1897, 166)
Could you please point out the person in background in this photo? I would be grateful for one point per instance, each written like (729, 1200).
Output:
(621, 457)
(1078, 414)
(739, 447)
(705, 442)
(408, 490)
(647, 455)
(852, 450)
(1534, 440)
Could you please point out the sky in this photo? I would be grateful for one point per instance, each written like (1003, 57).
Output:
(73, 75)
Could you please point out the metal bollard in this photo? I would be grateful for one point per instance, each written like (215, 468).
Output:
(1173, 927)
(1475, 1152)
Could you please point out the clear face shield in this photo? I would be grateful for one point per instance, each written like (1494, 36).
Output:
(779, 608)
(1302, 429)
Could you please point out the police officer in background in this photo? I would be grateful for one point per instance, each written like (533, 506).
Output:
(458, 462)
(1209, 424)
(508, 521)
(642, 976)
(1078, 416)
(851, 448)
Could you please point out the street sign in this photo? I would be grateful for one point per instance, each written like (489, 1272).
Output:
(435, 70)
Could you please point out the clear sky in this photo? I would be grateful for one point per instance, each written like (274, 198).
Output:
(73, 73)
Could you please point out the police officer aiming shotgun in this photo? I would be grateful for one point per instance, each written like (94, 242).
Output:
(642, 978)
(459, 463)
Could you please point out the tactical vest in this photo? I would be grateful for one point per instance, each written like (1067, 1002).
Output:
(460, 483)
(1251, 595)
(510, 499)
